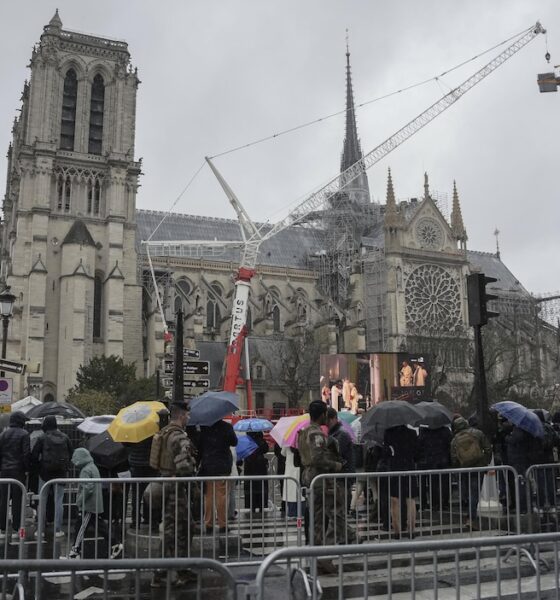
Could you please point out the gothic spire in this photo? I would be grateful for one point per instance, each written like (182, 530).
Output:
(55, 22)
(352, 151)
(392, 216)
(457, 225)
(426, 186)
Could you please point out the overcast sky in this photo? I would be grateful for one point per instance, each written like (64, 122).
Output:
(218, 74)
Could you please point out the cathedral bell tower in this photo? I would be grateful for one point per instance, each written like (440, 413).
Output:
(68, 234)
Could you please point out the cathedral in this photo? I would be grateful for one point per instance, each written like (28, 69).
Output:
(362, 277)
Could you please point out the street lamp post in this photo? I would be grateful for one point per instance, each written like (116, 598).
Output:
(6, 307)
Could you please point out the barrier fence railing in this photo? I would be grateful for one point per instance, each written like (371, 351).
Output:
(348, 508)
(13, 518)
(542, 496)
(128, 578)
(233, 519)
(482, 567)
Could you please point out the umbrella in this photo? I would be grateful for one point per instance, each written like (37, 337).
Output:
(211, 407)
(385, 415)
(106, 452)
(302, 422)
(347, 416)
(94, 425)
(280, 429)
(253, 425)
(59, 409)
(26, 404)
(435, 414)
(245, 446)
(136, 422)
(521, 417)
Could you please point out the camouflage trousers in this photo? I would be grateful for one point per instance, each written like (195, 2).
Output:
(330, 524)
(177, 527)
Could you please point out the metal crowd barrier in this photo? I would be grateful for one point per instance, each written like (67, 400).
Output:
(14, 519)
(451, 568)
(166, 517)
(347, 508)
(542, 497)
(130, 578)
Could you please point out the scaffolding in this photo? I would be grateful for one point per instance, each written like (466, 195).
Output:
(374, 278)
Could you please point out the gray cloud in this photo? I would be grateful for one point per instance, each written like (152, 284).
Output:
(219, 74)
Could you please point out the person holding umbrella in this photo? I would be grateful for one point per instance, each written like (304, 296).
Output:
(214, 442)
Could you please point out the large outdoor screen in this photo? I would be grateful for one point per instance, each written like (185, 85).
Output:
(367, 379)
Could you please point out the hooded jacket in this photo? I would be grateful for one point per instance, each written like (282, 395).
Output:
(89, 497)
(15, 452)
(50, 430)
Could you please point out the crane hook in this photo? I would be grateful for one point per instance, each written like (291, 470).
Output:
(547, 56)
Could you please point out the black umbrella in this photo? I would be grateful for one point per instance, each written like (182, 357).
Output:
(107, 453)
(435, 414)
(59, 409)
(385, 415)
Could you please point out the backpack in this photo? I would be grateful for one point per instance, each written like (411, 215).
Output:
(55, 456)
(468, 449)
(158, 460)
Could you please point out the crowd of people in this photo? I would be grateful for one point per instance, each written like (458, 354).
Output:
(323, 447)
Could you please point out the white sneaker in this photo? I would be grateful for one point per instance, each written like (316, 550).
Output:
(72, 555)
(2, 535)
(59, 534)
(15, 536)
(117, 550)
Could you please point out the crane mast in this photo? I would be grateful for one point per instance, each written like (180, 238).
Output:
(253, 237)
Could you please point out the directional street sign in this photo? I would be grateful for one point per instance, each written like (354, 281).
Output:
(194, 383)
(167, 383)
(188, 353)
(13, 367)
(196, 367)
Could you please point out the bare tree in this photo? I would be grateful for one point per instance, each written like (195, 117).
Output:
(299, 368)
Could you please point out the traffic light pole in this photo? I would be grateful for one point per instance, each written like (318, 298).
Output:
(178, 392)
(480, 382)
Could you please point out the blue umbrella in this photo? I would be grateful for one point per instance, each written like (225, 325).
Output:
(245, 446)
(210, 407)
(253, 425)
(521, 417)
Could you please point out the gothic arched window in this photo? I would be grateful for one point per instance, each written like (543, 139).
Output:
(97, 106)
(64, 193)
(183, 290)
(276, 318)
(213, 315)
(97, 304)
(69, 101)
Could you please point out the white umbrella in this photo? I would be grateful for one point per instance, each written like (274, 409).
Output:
(95, 425)
(26, 404)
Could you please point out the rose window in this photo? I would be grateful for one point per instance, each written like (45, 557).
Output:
(432, 300)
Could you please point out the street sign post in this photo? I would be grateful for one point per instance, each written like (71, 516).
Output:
(196, 367)
(12, 366)
(196, 383)
(6, 394)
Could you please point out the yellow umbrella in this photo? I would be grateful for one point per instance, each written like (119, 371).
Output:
(136, 422)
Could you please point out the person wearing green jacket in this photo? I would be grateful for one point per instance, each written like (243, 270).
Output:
(89, 502)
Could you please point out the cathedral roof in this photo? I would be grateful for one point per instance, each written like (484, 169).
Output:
(290, 248)
(489, 264)
(79, 234)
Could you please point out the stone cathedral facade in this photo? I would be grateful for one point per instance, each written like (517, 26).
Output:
(72, 255)
(68, 236)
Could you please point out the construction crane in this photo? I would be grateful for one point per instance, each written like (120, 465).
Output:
(253, 236)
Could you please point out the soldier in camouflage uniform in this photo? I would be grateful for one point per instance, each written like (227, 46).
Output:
(177, 458)
(319, 455)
